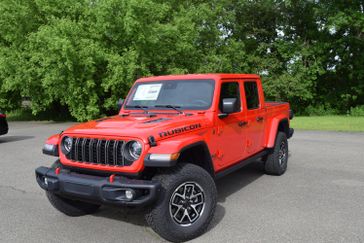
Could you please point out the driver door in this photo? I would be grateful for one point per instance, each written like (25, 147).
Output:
(230, 136)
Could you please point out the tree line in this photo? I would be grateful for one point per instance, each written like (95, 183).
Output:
(81, 56)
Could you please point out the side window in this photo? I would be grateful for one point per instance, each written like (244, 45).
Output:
(230, 90)
(251, 94)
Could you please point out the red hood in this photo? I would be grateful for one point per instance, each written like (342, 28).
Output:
(140, 126)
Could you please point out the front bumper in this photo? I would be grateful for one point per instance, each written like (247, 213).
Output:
(97, 189)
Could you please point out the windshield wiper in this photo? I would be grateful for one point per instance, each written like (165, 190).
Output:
(144, 108)
(174, 107)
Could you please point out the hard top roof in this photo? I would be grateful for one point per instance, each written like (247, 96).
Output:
(215, 76)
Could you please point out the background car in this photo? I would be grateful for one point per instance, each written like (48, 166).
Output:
(3, 124)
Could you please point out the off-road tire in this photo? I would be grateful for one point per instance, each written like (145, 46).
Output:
(159, 217)
(273, 164)
(71, 207)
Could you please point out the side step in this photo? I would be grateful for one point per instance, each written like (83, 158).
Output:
(240, 164)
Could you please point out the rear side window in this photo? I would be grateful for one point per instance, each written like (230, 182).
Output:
(251, 94)
(230, 90)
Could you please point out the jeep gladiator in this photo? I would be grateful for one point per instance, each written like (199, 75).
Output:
(173, 137)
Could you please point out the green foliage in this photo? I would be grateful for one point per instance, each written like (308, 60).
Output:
(25, 114)
(357, 111)
(320, 110)
(81, 56)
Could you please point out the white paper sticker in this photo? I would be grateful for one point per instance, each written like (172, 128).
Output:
(147, 92)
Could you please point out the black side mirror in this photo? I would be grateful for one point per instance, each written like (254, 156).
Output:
(120, 103)
(229, 105)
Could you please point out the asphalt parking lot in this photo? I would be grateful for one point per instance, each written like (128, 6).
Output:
(319, 199)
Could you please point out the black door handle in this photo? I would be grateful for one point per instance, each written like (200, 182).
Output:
(259, 118)
(242, 123)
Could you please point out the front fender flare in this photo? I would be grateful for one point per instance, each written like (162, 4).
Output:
(175, 144)
(171, 146)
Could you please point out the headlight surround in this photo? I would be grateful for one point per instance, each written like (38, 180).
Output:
(133, 150)
(66, 145)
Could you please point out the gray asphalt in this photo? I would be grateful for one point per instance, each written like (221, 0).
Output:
(319, 199)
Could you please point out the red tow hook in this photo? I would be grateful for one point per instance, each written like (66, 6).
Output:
(58, 170)
(112, 178)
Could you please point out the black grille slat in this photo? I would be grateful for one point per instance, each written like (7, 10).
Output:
(122, 160)
(90, 151)
(102, 152)
(77, 148)
(94, 151)
(87, 150)
(83, 150)
(107, 151)
(110, 152)
(73, 151)
(98, 151)
(115, 152)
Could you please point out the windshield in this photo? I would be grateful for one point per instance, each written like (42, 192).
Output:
(184, 94)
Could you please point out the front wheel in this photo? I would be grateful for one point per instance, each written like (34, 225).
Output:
(186, 204)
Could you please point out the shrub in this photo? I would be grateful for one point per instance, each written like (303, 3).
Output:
(357, 111)
(320, 110)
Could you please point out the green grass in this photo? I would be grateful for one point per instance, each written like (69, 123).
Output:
(329, 123)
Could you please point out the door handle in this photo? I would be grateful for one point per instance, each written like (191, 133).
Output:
(242, 123)
(259, 119)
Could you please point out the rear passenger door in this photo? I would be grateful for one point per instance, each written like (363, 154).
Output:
(254, 116)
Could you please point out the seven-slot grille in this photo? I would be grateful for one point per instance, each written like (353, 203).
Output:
(98, 151)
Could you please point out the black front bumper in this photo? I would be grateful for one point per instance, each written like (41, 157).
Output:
(97, 189)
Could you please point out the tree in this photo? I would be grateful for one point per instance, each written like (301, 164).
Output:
(84, 55)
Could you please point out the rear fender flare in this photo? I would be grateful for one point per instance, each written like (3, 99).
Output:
(274, 130)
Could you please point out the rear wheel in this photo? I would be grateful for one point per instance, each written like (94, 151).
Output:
(186, 203)
(277, 159)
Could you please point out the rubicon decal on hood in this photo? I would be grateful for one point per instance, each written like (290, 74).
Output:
(179, 130)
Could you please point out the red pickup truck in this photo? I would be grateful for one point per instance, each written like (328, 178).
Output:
(173, 137)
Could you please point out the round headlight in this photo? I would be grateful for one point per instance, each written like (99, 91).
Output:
(133, 149)
(67, 144)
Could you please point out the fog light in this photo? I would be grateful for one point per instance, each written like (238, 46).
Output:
(129, 194)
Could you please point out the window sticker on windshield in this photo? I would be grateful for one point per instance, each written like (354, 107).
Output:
(147, 92)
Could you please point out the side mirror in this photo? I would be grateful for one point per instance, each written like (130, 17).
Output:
(120, 103)
(229, 105)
